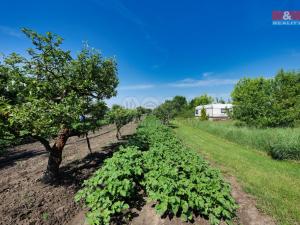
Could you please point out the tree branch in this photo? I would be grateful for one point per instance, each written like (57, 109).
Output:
(43, 141)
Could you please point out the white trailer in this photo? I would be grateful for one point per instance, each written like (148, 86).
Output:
(214, 111)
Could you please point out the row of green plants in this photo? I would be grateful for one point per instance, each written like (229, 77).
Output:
(279, 143)
(174, 178)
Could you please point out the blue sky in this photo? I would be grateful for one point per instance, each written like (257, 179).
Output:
(165, 48)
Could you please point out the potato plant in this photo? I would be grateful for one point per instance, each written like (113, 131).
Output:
(172, 176)
(111, 188)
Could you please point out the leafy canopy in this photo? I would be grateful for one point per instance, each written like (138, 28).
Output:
(170, 108)
(50, 89)
(201, 100)
(268, 102)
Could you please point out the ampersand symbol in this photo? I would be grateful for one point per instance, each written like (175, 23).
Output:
(286, 15)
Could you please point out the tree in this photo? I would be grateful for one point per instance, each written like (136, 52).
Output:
(286, 94)
(120, 116)
(165, 112)
(203, 115)
(271, 102)
(252, 101)
(201, 100)
(50, 90)
(220, 100)
(140, 111)
(179, 103)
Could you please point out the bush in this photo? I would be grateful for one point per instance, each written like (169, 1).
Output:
(271, 102)
(203, 115)
(174, 177)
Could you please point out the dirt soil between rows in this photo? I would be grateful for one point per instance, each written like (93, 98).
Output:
(26, 200)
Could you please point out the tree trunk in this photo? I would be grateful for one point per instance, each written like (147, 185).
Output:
(88, 142)
(55, 157)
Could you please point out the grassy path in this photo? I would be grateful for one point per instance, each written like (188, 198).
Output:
(275, 184)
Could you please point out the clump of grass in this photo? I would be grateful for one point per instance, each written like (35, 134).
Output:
(280, 143)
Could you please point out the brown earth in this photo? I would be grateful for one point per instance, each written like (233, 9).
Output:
(247, 213)
(25, 200)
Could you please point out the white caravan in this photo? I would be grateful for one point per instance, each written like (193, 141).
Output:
(214, 111)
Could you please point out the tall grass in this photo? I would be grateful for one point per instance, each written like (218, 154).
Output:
(280, 143)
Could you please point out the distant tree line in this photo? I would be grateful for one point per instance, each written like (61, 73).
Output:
(259, 102)
(179, 106)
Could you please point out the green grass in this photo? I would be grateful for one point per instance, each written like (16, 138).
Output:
(280, 143)
(275, 184)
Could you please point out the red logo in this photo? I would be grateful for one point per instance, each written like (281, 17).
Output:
(286, 15)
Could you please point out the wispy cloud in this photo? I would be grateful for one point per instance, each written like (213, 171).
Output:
(207, 74)
(10, 31)
(202, 83)
(186, 83)
(137, 87)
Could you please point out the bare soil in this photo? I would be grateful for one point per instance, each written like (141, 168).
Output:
(26, 200)
(247, 213)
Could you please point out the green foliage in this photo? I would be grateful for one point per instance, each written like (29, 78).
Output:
(120, 116)
(220, 100)
(179, 103)
(268, 102)
(165, 112)
(48, 91)
(201, 100)
(112, 187)
(140, 111)
(177, 179)
(187, 113)
(280, 143)
(170, 108)
(203, 115)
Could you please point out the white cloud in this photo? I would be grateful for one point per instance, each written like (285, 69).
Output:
(207, 74)
(186, 83)
(137, 87)
(202, 83)
(10, 31)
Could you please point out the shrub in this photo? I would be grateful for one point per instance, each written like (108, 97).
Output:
(203, 115)
(271, 102)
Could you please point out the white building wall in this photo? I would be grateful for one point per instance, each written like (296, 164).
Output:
(214, 110)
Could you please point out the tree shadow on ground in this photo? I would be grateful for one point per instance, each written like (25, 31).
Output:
(11, 157)
(75, 172)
